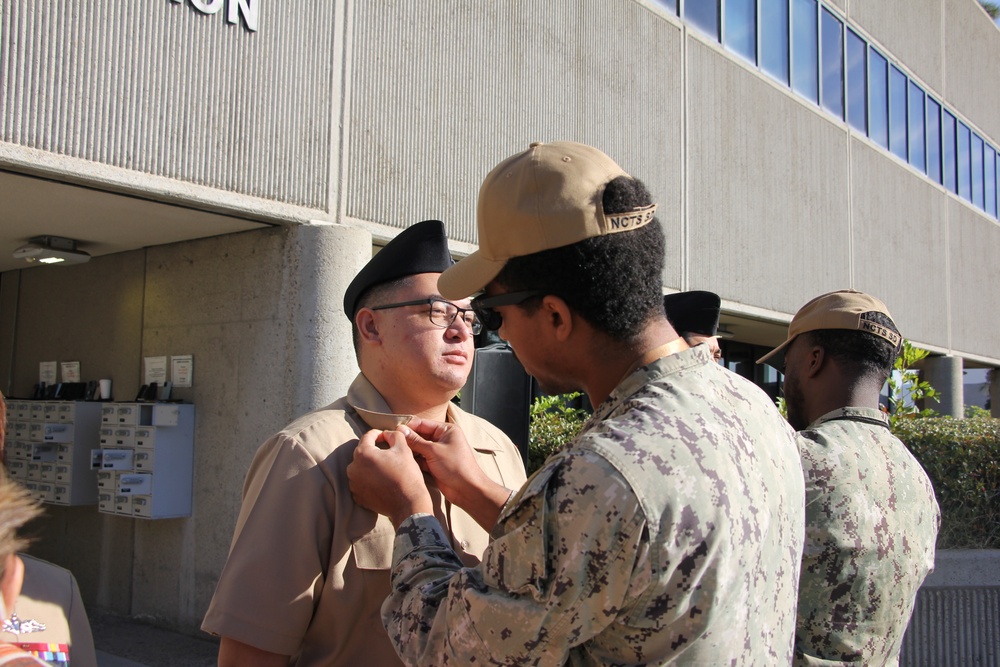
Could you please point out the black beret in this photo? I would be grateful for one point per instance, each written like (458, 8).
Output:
(694, 312)
(420, 248)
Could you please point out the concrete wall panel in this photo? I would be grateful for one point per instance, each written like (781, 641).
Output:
(767, 210)
(900, 231)
(91, 313)
(467, 84)
(163, 89)
(975, 273)
(911, 30)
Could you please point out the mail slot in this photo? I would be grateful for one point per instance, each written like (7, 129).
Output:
(123, 505)
(67, 412)
(142, 505)
(117, 459)
(109, 414)
(107, 479)
(64, 453)
(57, 433)
(106, 502)
(124, 437)
(36, 432)
(44, 452)
(135, 484)
(143, 460)
(107, 436)
(60, 494)
(145, 437)
(64, 473)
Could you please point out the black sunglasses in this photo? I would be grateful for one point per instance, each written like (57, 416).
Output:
(483, 306)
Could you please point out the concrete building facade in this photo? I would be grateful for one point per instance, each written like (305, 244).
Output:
(230, 164)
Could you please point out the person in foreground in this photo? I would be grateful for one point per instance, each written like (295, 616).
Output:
(695, 316)
(871, 516)
(308, 569)
(668, 531)
(16, 509)
(49, 620)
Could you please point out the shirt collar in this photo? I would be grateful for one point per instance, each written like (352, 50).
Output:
(372, 408)
(854, 414)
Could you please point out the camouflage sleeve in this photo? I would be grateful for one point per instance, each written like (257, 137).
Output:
(569, 558)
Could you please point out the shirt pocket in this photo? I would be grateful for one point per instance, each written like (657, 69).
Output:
(373, 550)
(517, 560)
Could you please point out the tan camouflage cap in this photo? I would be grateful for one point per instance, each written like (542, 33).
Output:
(546, 197)
(843, 309)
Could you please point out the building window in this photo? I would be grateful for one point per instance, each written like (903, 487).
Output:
(741, 28)
(878, 94)
(990, 180)
(977, 171)
(704, 15)
(805, 49)
(917, 131)
(832, 31)
(670, 4)
(933, 140)
(857, 82)
(964, 161)
(897, 112)
(774, 38)
(949, 151)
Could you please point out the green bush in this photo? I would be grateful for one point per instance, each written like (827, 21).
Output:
(962, 458)
(553, 423)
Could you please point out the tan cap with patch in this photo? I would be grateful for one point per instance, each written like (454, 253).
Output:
(546, 197)
(843, 309)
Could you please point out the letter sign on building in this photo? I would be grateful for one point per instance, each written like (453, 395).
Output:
(248, 9)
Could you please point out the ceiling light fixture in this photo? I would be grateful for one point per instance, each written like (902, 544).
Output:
(51, 250)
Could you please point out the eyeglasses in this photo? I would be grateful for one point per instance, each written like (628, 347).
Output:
(484, 306)
(443, 313)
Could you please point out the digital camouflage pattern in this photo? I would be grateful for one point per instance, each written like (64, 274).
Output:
(668, 532)
(871, 525)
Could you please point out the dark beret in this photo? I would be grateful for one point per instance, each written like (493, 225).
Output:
(420, 248)
(694, 312)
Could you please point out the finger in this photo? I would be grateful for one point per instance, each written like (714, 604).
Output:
(427, 428)
(393, 439)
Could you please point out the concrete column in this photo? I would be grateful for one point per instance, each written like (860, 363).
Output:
(321, 260)
(945, 375)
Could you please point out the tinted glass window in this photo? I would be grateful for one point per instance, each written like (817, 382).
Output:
(857, 82)
(833, 64)
(878, 96)
(933, 139)
(977, 171)
(949, 152)
(963, 160)
(741, 28)
(669, 4)
(704, 15)
(805, 49)
(917, 132)
(897, 112)
(774, 38)
(990, 181)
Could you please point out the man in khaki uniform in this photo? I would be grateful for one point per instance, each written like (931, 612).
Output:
(308, 569)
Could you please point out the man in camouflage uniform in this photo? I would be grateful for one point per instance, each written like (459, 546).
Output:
(668, 532)
(871, 516)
